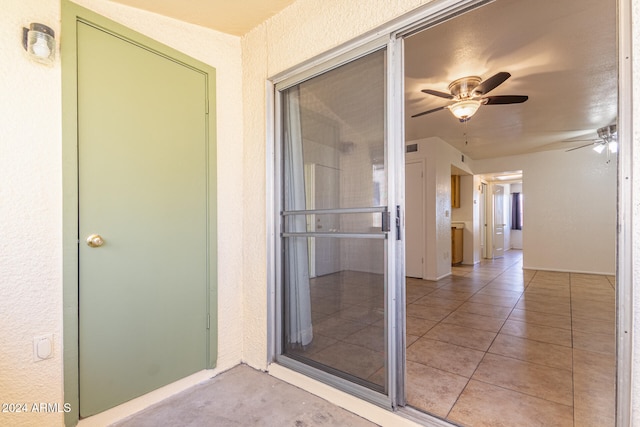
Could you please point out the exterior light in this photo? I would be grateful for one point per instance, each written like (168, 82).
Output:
(40, 43)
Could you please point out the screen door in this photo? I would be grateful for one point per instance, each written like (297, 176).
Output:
(335, 221)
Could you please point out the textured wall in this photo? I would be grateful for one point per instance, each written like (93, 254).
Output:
(30, 216)
(310, 27)
(254, 71)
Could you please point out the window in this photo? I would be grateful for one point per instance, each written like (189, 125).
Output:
(516, 211)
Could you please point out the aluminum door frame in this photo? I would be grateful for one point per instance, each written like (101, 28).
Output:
(392, 246)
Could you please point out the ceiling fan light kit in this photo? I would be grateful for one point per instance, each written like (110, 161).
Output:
(468, 94)
(464, 110)
(599, 147)
(607, 139)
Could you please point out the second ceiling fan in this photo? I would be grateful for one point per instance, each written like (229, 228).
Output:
(469, 94)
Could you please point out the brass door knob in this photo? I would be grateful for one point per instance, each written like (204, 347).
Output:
(95, 241)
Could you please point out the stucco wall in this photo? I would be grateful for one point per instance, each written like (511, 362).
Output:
(30, 216)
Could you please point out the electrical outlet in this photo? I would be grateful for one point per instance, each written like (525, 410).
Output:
(42, 347)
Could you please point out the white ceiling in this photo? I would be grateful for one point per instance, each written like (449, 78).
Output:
(561, 53)
(235, 17)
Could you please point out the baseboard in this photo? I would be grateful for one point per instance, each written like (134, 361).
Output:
(559, 270)
(138, 404)
(439, 277)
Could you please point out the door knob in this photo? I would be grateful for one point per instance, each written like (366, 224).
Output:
(95, 241)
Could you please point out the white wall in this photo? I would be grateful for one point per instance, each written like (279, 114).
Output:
(570, 214)
(439, 157)
(31, 194)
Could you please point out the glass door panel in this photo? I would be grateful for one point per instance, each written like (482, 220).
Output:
(334, 222)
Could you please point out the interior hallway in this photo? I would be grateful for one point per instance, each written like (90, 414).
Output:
(497, 345)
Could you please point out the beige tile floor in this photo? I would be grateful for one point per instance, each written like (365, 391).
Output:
(491, 345)
(514, 347)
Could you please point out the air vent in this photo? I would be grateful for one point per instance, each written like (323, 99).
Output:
(412, 148)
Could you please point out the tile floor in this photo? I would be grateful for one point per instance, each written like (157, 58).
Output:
(490, 345)
(508, 346)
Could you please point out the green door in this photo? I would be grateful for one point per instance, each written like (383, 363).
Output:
(142, 187)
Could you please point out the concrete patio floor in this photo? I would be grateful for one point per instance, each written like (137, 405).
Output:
(244, 396)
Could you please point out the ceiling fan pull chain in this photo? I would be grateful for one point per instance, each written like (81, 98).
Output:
(466, 128)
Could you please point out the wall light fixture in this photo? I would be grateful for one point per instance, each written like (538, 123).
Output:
(40, 43)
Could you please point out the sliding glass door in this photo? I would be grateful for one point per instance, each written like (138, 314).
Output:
(336, 226)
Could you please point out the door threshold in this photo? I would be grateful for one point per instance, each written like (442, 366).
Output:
(404, 417)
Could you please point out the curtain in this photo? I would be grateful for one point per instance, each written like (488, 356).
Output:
(516, 211)
(297, 292)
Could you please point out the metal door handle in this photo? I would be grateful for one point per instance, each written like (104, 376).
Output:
(95, 241)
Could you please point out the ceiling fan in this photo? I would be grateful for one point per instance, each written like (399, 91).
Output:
(607, 138)
(469, 94)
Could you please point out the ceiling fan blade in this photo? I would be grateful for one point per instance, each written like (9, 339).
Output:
(438, 93)
(504, 99)
(577, 148)
(430, 111)
(491, 83)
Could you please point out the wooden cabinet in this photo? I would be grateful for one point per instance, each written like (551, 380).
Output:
(455, 191)
(456, 245)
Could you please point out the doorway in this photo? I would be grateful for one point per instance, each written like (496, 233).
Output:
(335, 225)
(497, 299)
(139, 214)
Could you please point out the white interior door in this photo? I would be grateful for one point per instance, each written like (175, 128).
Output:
(414, 219)
(498, 221)
(327, 195)
(483, 220)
